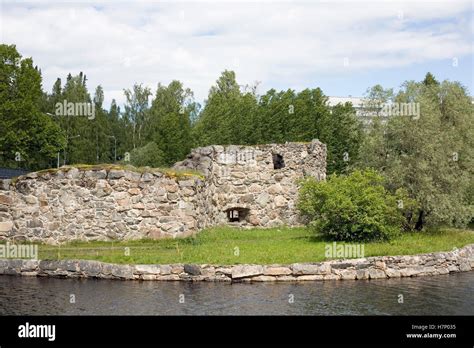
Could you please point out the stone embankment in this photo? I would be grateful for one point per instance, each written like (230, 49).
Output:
(380, 267)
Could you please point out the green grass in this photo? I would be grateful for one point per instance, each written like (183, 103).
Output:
(261, 246)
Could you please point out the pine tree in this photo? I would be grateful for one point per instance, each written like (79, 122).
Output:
(430, 80)
(170, 125)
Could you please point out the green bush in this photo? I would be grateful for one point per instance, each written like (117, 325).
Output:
(355, 207)
(149, 155)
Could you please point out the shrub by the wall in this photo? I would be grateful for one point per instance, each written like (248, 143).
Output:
(354, 207)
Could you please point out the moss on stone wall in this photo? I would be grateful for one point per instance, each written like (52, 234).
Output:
(168, 172)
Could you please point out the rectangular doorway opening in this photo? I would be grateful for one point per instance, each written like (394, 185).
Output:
(237, 214)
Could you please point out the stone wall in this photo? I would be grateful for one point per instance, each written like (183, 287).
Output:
(239, 186)
(244, 179)
(382, 267)
(72, 204)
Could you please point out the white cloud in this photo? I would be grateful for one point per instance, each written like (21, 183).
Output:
(119, 43)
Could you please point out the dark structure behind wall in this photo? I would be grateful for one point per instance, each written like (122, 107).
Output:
(8, 173)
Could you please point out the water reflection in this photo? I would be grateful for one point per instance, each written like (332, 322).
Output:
(447, 295)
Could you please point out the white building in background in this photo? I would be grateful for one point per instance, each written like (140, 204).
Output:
(357, 102)
(384, 111)
(359, 105)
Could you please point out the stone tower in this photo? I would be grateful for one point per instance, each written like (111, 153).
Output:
(256, 185)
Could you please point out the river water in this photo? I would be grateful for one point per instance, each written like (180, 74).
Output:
(440, 295)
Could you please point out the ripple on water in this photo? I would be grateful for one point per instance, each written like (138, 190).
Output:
(448, 295)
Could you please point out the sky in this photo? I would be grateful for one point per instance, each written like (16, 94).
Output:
(341, 46)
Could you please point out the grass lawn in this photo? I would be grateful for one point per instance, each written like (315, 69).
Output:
(225, 245)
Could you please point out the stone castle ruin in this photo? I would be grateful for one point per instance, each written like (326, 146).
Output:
(245, 186)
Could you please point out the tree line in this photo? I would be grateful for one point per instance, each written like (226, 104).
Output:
(160, 129)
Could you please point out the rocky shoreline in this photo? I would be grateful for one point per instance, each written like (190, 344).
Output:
(378, 267)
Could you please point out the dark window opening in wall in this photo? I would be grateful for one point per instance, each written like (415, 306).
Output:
(278, 161)
(237, 214)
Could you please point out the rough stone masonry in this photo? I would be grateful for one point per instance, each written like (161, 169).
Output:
(246, 186)
(378, 267)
